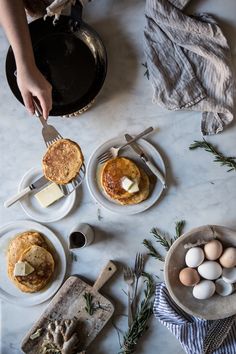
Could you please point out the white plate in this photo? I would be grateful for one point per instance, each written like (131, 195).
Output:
(97, 191)
(8, 291)
(33, 209)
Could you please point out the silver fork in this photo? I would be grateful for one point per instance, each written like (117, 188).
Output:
(50, 134)
(114, 151)
(129, 279)
(138, 270)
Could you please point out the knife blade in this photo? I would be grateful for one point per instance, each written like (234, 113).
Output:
(135, 146)
(40, 182)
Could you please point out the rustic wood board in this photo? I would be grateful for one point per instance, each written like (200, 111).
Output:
(69, 303)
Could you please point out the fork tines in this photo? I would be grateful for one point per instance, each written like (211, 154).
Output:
(107, 155)
(139, 264)
(128, 272)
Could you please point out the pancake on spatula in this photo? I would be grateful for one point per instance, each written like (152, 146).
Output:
(62, 161)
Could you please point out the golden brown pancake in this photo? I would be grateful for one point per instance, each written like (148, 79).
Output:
(136, 198)
(62, 161)
(19, 244)
(42, 262)
(113, 172)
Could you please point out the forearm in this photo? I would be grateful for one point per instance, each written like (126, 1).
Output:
(14, 22)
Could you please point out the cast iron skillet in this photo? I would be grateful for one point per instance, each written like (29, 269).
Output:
(71, 56)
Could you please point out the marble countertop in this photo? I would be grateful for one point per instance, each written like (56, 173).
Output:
(200, 191)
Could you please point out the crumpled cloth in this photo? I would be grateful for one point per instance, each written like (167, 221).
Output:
(189, 330)
(61, 7)
(57, 8)
(189, 63)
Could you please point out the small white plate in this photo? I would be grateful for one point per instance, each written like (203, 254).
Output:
(33, 209)
(8, 291)
(97, 191)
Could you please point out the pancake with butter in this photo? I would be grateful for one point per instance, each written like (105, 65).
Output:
(19, 244)
(62, 161)
(113, 172)
(42, 262)
(141, 195)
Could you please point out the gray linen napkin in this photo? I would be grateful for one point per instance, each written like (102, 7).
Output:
(189, 63)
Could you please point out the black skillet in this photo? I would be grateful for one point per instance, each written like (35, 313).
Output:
(72, 57)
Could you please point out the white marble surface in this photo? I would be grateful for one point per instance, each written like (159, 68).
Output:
(200, 191)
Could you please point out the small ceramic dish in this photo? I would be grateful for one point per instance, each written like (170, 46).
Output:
(217, 306)
(31, 207)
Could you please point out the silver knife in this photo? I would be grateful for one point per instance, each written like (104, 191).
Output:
(146, 160)
(40, 182)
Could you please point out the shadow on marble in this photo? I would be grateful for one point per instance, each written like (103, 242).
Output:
(78, 200)
(123, 60)
(170, 179)
(101, 235)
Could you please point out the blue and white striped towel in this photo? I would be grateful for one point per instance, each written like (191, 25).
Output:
(189, 330)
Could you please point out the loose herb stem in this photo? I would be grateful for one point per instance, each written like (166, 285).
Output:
(90, 308)
(152, 250)
(179, 225)
(164, 240)
(228, 161)
(139, 325)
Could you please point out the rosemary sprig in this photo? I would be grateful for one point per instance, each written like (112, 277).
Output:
(179, 225)
(162, 239)
(228, 161)
(139, 325)
(152, 251)
(90, 307)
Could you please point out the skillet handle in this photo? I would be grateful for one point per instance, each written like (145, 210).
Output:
(76, 11)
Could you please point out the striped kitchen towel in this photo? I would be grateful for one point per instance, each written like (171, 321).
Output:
(189, 63)
(189, 330)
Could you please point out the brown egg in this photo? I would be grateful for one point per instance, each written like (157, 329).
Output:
(213, 250)
(189, 276)
(228, 258)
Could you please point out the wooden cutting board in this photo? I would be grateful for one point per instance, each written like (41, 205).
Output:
(69, 303)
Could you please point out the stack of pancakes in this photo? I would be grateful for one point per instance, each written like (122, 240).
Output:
(62, 161)
(114, 171)
(30, 247)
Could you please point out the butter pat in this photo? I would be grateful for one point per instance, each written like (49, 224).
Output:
(49, 195)
(126, 183)
(134, 188)
(22, 269)
(129, 185)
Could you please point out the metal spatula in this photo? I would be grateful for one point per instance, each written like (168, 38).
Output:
(50, 134)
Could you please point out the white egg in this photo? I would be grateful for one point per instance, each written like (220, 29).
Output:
(210, 270)
(223, 288)
(194, 257)
(204, 290)
(229, 275)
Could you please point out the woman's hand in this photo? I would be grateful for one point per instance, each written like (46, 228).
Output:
(32, 83)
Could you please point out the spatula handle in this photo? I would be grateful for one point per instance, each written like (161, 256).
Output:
(104, 276)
